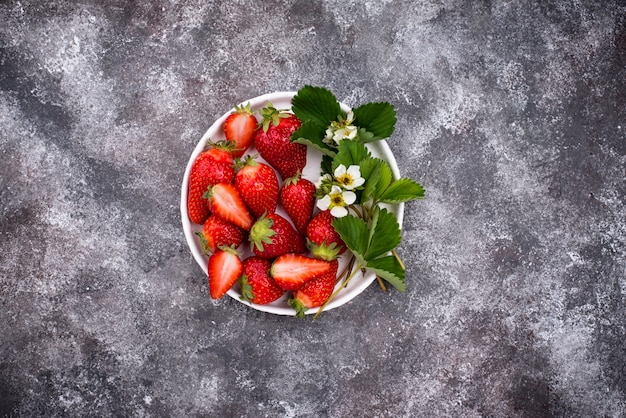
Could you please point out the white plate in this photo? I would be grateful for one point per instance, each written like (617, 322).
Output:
(282, 100)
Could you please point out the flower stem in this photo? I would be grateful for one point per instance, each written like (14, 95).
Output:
(336, 292)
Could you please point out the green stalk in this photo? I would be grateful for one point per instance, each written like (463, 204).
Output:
(336, 292)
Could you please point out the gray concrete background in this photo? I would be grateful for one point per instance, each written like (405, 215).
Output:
(512, 115)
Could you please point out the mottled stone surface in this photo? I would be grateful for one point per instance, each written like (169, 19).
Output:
(511, 113)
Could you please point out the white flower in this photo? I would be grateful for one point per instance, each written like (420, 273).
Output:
(337, 201)
(340, 130)
(349, 178)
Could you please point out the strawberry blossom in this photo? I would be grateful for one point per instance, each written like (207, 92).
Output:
(349, 178)
(337, 201)
(341, 129)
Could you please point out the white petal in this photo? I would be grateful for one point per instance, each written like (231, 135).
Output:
(335, 190)
(354, 171)
(339, 211)
(340, 170)
(358, 182)
(324, 203)
(349, 198)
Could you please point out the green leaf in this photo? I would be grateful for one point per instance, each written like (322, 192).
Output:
(350, 153)
(402, 190)
(385, 234)
(365, 136)
(327, 165)
(378, 176)
(389, 269)
(316, 104)
(377, 118)
(354, 233)
(310, 133)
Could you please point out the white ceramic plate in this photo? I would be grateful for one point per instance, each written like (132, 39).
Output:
(281, 100)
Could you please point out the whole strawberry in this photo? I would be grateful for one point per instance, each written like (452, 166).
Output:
(239, 129)
(274, 144)
(217, 232)
(297, 196)
(225, 201)
(315, 292)
(213, 166)
(258, 186)
(272, 235)
(324, 242)
(256, 284)
(225, 268)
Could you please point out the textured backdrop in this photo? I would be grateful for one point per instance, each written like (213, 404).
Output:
(512, 114)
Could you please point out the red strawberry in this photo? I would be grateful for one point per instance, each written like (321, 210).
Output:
(274, 144)
(291, 271)
(226, 202)
(217, 232)
(324, 241)
(297, 196)
(225, 268)
(258, 185)
(256, 284)
(272, 235)
(316, 291)
(239, 128)
(210, 167)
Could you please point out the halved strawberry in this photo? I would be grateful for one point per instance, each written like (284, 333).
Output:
(272, 235)
(316, 291)
(225, 201)
(274, 144)
(258, 186)
(323, 241)
(291, 271)
(218, 232)
(297, 196)
(239, 128)
(224, 267)
(256, 284)
(213, 166)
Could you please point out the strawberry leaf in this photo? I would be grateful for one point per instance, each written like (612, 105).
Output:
(378, 119)
(354, 233)
(378, 176)
(316, 104)
(390, 269)
(402, 190)
(350, 153)
(310, 133)
(384, 226)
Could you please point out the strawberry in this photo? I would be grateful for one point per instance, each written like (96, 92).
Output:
(297, 196)
(323, 241)
(225, 268)
(258, 185)
(291, 271)
(316, 291)
(272, 235)
(226, 202)
(274, 144)
(239, 129)
(217, 232)
(256, 284)
(210, 167)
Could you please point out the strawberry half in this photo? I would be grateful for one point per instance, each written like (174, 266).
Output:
(274, 144)
(225, 201)
(239, 129)
(258, 186)
(315, 292)
(217, 232)
(297, 196)
(256, 284)
(272, 235)
(213, 166)
(291, 271)
(323, 241)
(225, 268)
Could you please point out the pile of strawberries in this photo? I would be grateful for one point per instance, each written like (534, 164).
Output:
(235, 198)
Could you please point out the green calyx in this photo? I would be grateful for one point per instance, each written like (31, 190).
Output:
(244, 109)
(246, 290)
(248, 160)
(203, 242)
(272, 115)
(299, 307)
(323, 251)
(261, 233)
(294, 180)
